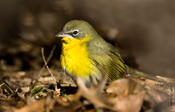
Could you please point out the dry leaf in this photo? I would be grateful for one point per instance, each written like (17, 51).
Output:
(38, 106)
(130, 103)
(123, 87)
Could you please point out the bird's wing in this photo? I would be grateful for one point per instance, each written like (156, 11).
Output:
(107, 57)
(117, 68)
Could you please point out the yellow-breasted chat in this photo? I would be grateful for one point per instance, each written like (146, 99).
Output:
(87, 55)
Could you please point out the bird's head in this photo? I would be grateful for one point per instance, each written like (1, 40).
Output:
(77, 29)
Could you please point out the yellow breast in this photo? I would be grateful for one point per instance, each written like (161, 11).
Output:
(75, 58)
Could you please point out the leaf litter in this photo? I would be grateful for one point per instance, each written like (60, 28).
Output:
(54, 91)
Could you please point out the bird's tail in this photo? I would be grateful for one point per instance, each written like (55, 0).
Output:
(136, 73)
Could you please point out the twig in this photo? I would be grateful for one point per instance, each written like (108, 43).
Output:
(8, 86)
(48, 59)
(2, 84)
(45, 63)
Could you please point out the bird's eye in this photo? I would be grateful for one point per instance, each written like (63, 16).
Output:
(75, 33)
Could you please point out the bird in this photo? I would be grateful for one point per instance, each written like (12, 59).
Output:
(85, 54)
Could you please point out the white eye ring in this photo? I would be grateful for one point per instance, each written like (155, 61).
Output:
(74, 32)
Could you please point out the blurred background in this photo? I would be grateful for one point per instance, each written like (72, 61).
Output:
(142, 29)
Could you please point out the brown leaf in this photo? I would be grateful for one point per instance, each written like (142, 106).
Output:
(38, 106)
(131, 103)
(123, 87)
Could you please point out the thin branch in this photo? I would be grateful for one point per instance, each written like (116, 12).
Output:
(45, 63)
(48, 59)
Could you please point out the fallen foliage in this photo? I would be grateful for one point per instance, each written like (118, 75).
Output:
(34, 92)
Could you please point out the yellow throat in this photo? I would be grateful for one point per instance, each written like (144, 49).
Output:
(75, 57)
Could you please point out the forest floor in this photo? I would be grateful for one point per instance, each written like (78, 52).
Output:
(51, 90)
